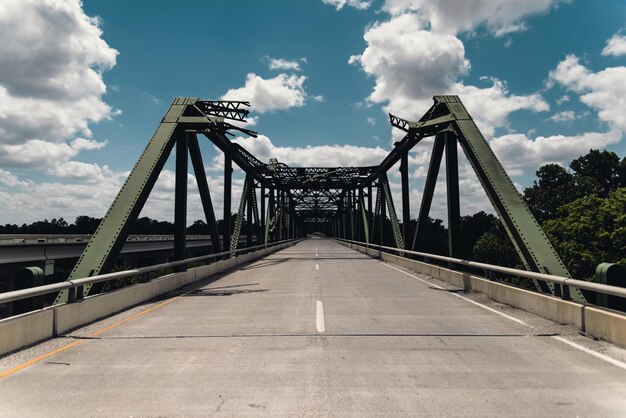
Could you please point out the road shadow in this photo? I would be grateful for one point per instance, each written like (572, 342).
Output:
(223, 292)
(266, 263)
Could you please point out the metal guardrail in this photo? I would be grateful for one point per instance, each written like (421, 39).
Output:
(7, 297)
(564, 281)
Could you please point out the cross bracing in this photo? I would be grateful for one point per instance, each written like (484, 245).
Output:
(279, 201)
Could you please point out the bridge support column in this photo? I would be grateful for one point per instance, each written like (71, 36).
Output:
(452, 186)
(180, 205)
(262, 218)
(383, 212)
(249, 208)
(429, 190)
(228, 182)
(203, 190)
(406, 215)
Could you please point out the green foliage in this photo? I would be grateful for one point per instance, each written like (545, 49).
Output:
(122, 282)
(554, 188)
(493, 248)
(473, 227)
(590, 230)
(597, 173)
(437, 242)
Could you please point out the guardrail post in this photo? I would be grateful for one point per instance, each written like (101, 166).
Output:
(71, 295)
(80, 293)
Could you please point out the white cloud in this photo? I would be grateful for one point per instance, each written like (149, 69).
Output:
(564, 116)
(517, 152)
(452, 16)
(10, 180)
(154, 99)
(371, 121)
(410, 64)
(281, 92)
(491, 106)
(604, 90)
(76, 170)
(313, 156)
(616, 46)
(357, 4)
(51, 65)
(283, 64)
(39, 154)
(563, 99)
(30, 201)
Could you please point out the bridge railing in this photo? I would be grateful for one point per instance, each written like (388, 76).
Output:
(565, 282)
(76, 284)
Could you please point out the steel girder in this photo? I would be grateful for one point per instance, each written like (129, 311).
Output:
(450, 122)
(332, 196)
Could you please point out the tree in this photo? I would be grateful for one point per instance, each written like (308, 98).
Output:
(199, 227)
(493, 248)
(472, 228)
(436, 234)
(597, 172)
(590, 230)
(554, 188)
(86, 224)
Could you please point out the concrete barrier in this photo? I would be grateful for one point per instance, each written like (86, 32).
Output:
(23, 330)
(595, 322)
(606, 325)
(549, 307)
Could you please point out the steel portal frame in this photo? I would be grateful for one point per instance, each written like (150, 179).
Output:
(297, 200)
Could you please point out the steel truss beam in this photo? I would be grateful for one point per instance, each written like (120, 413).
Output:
(330, 198)
(450, 122)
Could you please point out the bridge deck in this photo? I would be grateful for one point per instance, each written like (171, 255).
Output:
(250, 343)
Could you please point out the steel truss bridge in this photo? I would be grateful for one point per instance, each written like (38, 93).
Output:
(339, 201)
(361, 324)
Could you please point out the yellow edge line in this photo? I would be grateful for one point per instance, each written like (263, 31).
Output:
(37, 359)
(75, 343)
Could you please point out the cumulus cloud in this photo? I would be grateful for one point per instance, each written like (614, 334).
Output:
(52, 58)
(491, 106)
(563, 99)
(451, 16)
(281, 92)
(26, 201)
(604, 91)
(517, 152)
(76, 170)
(313, 156)
(283, 64)
(39, 154)
(357, 4)
(615, 46)
(564, 116)
(409, 63)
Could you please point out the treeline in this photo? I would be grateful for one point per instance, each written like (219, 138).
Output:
(88, 225)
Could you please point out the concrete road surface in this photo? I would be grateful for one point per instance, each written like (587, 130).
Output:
(315, 330)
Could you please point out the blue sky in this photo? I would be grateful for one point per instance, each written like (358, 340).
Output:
(84, 85)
